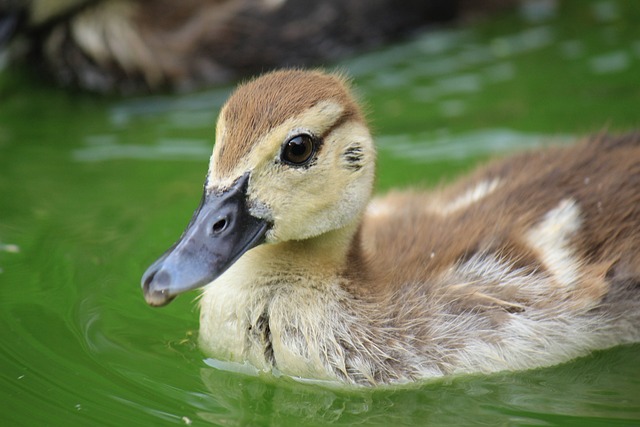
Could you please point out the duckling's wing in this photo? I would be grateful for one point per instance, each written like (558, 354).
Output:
(534, 229)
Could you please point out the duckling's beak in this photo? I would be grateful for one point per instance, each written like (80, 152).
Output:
(221, 230)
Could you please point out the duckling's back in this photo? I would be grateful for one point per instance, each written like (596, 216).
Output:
(537, 245)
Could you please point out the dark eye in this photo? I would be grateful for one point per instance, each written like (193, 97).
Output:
(298, 150)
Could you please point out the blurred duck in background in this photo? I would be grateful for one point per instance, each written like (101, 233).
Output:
(132, 46)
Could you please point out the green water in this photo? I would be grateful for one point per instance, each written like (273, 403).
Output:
(92, 190)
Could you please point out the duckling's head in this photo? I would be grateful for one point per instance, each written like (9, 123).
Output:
(293, 160)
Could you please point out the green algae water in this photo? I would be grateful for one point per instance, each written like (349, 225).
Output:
(92, 190)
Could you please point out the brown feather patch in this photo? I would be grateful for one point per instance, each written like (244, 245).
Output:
(264, 103)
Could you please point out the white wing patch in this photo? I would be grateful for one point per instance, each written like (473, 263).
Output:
(550, 239)
(378, 208)
(469, 197)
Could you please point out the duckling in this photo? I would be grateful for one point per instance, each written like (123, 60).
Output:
(138, 45)
(529, 262)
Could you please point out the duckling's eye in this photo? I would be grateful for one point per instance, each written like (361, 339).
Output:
(298, 150)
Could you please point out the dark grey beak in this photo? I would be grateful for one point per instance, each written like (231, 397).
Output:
(221, 230)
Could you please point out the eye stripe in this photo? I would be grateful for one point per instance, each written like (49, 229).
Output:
(336, 124)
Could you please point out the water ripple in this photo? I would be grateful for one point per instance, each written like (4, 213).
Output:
(165, 149)
(435, 147)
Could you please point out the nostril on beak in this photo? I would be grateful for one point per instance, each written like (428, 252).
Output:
(219, 226)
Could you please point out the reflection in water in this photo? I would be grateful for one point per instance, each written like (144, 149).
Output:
(606, 10)
(613, 62)
(538, 10)
(8, 247)
(209, 100)
(572, 49)
(589, 387)
(431, 147)
(524, 41)
(167, 149)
